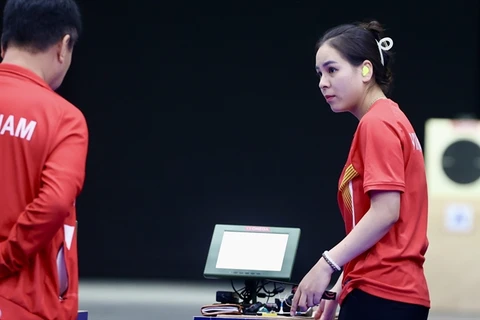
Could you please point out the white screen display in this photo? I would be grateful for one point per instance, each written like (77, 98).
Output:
(252, 251)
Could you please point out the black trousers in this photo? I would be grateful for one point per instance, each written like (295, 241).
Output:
(359, 305)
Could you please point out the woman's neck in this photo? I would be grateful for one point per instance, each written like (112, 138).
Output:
(368, 100)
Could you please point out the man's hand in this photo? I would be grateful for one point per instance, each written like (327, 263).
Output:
(311, 288)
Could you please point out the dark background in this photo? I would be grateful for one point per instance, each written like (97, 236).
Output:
(210, 112)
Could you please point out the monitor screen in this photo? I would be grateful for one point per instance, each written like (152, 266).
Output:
(252, 252)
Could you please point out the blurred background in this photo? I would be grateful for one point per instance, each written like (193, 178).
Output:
(209, 112)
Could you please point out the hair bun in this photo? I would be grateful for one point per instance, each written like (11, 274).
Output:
(374, 27)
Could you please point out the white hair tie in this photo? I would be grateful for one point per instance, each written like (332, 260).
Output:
(384, 44)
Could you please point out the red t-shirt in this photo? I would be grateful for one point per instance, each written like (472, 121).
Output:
(43, 143)
(386, 155)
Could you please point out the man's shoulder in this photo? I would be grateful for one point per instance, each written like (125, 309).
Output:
(64, 107)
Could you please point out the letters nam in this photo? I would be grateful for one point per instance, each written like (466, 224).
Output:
(22, 128)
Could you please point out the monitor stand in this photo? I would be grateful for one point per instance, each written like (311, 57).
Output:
(250, 292)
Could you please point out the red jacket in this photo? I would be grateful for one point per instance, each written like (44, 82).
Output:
(43, 143)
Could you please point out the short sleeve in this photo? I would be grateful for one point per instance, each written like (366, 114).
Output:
(382, 156)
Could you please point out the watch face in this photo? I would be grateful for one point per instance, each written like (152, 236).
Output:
(461, 162)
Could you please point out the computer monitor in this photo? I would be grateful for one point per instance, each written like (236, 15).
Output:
(251, 252)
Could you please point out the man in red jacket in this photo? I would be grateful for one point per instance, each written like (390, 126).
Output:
(43, 143)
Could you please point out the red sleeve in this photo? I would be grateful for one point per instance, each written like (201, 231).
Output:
(382, 156)
(62, 180)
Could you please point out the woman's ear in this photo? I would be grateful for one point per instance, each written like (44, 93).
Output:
(366, 69)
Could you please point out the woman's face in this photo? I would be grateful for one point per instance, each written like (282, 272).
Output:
(341, 83)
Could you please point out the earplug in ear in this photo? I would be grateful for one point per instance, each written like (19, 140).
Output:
(365, 71)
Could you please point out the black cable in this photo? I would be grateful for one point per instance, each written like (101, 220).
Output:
(283, 282)
(259, 286)
(269, 293)
(241, 293)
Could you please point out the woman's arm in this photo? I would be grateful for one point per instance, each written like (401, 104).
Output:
(384, 212)
(338, 285)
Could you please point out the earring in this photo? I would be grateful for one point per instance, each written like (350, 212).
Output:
(365, 71)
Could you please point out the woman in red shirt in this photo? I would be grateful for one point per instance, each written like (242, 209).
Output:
(382, 190)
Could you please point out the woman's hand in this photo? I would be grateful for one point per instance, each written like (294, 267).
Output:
(311, 288)
(328, 308)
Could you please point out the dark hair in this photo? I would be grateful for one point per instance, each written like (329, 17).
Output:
(36, 25)
(357, 43)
